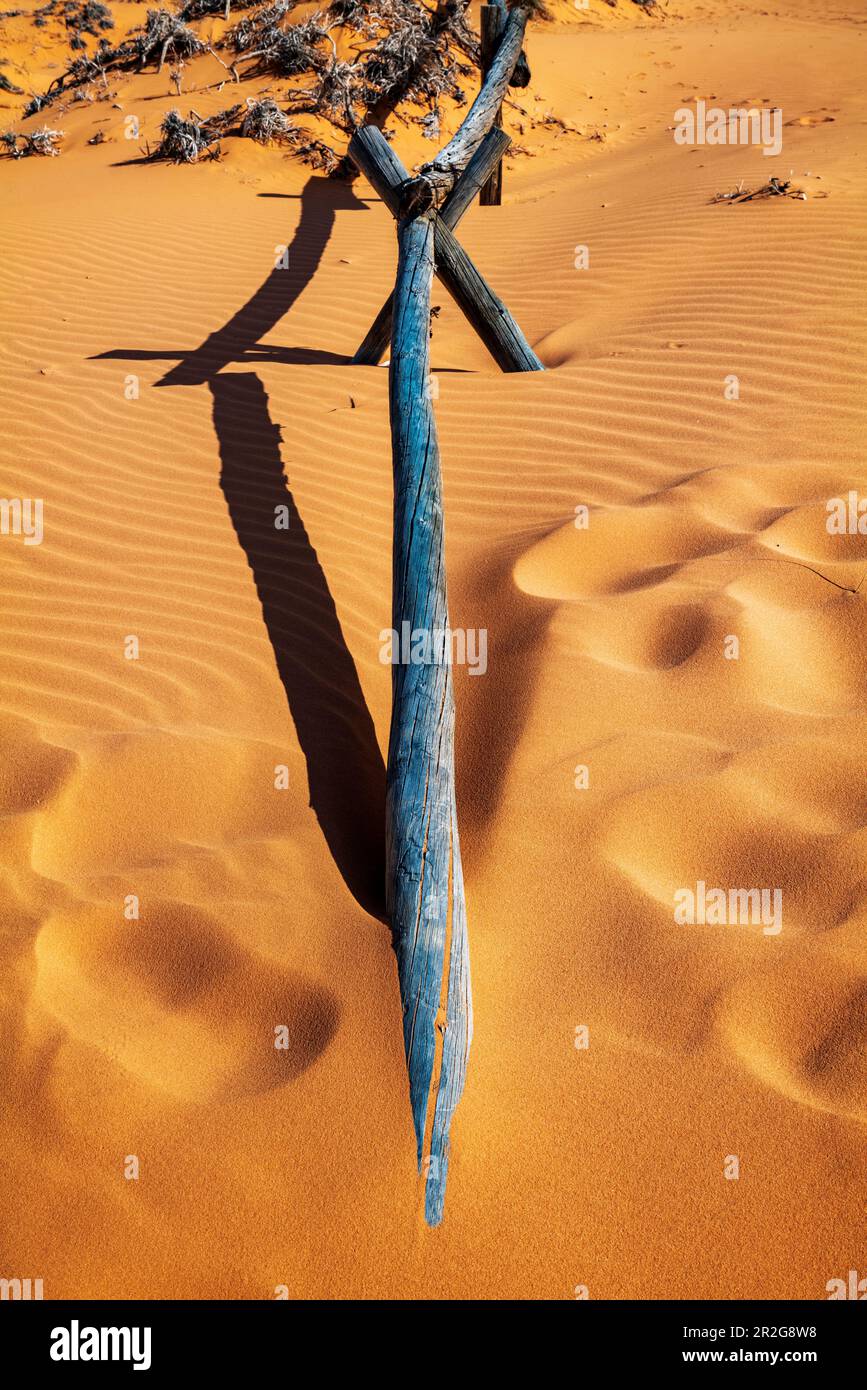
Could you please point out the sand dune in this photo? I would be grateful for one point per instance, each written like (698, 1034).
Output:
(164, 387)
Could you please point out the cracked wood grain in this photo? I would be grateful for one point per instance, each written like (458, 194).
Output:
(425, 893)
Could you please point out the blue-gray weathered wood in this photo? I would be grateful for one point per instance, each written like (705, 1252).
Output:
(424, 883)
(478, 120)
(424, 879)
(492, 22)
(436, 179)
(486, 158)
(521, 74)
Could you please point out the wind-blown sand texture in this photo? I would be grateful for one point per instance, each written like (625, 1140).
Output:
(155, 777)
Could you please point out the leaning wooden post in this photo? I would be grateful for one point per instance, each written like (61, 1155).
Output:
(493, 22)
(424, 879)
(521, 73)
(435, 180)
(424, 886)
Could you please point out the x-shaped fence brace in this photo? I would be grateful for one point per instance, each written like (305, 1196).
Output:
(424, 879)
(375, 158)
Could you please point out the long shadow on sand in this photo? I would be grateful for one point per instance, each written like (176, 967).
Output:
(345, 769)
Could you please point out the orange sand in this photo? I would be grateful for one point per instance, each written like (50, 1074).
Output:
(155, 777)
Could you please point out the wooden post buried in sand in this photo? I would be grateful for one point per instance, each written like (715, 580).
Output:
(435, 180)
(424, 880)
(492, 21)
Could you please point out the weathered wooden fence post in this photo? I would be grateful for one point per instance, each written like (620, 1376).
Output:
(425, 891)
(424, 879)
(492, 22)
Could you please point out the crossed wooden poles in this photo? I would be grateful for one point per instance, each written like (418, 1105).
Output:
(424, 881)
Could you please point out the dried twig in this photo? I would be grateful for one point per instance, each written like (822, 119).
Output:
(775, 188)
(35, 142)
